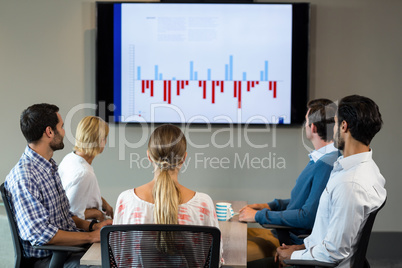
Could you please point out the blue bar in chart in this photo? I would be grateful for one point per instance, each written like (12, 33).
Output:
(191, 70)
(139, 73)
(156, 72)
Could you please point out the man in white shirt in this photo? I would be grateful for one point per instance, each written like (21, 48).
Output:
(355, 188)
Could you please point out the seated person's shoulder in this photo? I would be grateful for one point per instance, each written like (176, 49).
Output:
(186, 194)
(143, 192)
(24, 173)
(328, 160)
(75, 174)
(204, 199)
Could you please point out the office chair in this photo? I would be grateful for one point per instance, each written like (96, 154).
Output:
(60, 253)
(283, 233)
(359, 257)
(160, 245)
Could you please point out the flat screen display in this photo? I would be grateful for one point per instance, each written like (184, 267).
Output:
(218, 63)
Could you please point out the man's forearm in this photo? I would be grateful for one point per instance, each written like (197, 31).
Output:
(65, 238)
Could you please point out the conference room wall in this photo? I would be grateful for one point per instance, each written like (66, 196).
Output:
(47, 53)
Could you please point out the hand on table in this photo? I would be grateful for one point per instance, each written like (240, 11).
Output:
(247, 214)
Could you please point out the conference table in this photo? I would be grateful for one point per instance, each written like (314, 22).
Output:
(234, 237)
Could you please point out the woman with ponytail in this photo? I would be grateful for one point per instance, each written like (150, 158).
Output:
(164, 200)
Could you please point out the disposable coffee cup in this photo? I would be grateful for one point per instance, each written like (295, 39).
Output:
(224, 211)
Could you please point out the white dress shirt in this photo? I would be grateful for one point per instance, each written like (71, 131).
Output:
(80, 183)
(355, 189)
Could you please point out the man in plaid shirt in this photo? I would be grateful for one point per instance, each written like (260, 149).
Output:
(34, 189)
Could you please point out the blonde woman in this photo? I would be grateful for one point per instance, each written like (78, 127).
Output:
(164, 200)
(77, 174)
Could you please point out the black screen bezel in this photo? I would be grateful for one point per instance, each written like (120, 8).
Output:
(300, 56)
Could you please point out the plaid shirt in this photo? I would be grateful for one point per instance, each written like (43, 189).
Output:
(39, 202)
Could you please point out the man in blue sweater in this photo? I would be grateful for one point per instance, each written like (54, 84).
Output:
(299, 211)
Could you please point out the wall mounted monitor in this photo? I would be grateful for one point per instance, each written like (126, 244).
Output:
(189, 62)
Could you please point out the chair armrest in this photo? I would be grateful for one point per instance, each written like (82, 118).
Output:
(274, 226)
(309, 263)
(302, 236)
(282, 227)
(60, 253)
(61, 248)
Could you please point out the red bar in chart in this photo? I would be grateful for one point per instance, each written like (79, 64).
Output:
(213, 91)
(239, 100)
(170, 92)
(204, 87)
(164, 90)
(178, 88)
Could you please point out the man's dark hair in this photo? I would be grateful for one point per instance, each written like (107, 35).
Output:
(36, 118)
(321, 114)
(362, 115)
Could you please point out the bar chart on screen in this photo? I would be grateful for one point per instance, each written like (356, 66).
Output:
(201, 89)
(213, 86)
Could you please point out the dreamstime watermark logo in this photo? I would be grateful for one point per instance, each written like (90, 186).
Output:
(232, 135)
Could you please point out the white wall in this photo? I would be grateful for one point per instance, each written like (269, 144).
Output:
(47, 54)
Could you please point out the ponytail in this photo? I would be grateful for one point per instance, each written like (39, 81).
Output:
(166, 199)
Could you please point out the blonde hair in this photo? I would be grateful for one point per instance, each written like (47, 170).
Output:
(91, 131)
(167, 148)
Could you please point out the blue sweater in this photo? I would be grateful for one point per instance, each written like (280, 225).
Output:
(299, 211)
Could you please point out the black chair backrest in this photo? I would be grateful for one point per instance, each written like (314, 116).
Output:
(359, 258)
(160, 245)
(18, 250)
